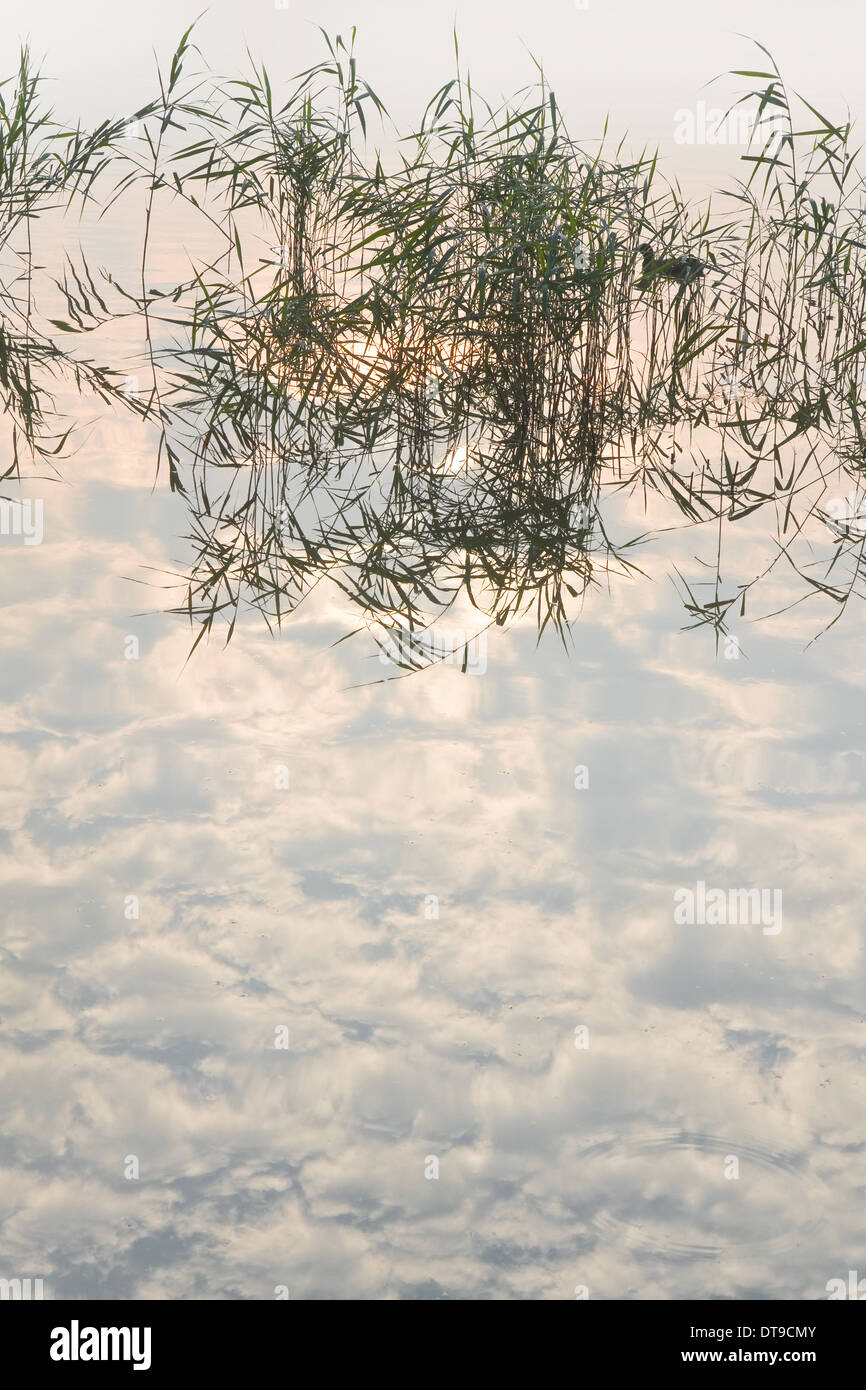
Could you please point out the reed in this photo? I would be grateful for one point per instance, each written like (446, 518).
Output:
(45, 168)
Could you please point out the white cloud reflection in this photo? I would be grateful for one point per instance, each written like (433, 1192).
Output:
(411, 1037)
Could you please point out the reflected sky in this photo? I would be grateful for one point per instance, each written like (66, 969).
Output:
(431, 907)
(510, 1073)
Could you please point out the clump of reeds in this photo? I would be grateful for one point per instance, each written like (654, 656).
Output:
(420, 378)
(44, 168)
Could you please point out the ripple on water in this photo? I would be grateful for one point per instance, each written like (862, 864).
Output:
(669, 1193)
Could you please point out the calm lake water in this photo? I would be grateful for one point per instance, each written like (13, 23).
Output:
(471, 954)
(321, 984)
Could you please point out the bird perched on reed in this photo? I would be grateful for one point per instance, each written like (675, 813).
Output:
(681, 269)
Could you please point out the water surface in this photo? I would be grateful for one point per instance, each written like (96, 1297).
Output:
(431, 907)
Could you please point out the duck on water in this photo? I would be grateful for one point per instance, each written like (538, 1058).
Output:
(680, 269)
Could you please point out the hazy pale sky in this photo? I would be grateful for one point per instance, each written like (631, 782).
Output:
(640, 62)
